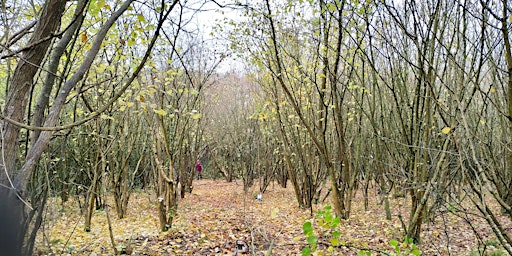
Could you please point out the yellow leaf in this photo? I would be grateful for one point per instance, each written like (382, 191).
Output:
(196, 115)
(446, 130)
(100, 4)
(160, 112)
(71, 95)
(104, 117)
(274, 213)
(492, 89)
(141, 18)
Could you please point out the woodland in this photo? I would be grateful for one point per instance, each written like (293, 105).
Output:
(325, 127)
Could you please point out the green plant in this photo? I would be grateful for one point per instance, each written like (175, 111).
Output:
(324, 227)
(492, 253)
(498, 253)
(326, 223)
(492, 243)
(406, 248)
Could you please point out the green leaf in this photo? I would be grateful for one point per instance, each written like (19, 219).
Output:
(336, 234)
(307, 227)
(329, 217)
(331, 7)
(306, 251)
(416, 252)
(131, 42)
(335, 241)
(364, 253)
(393, 242)
(312, 240)
(336, 222)
(93, 8)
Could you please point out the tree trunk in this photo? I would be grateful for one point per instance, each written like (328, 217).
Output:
(91, 197)
(22, 80)
(508, 57)
(58, 51)
(14, 235)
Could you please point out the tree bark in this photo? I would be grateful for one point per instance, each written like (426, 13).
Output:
(58, 51)
(508, 58)
(22, 82)
(14, 235)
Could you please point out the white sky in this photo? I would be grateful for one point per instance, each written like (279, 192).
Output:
(212, 17)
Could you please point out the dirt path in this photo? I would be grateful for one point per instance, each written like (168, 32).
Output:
(218, 215)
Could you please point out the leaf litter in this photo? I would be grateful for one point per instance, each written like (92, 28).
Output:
(219, 218)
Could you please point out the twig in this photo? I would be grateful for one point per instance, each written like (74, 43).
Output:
(111, 233)
(269, 251)
(351, 246)
(253, 250)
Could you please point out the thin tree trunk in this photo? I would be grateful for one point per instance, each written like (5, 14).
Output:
(91, 197)
(508, 57)
(58, 51)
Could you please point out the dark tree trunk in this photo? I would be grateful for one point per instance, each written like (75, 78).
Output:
(11, 218)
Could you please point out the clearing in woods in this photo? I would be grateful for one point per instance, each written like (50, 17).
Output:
(217, 215)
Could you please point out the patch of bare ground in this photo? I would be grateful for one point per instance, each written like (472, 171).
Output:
(219, 218)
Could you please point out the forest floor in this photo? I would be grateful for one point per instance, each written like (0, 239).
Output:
(218, 215)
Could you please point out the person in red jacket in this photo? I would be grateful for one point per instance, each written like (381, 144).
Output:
(199, 169)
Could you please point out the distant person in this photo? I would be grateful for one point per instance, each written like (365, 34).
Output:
(199, 169)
